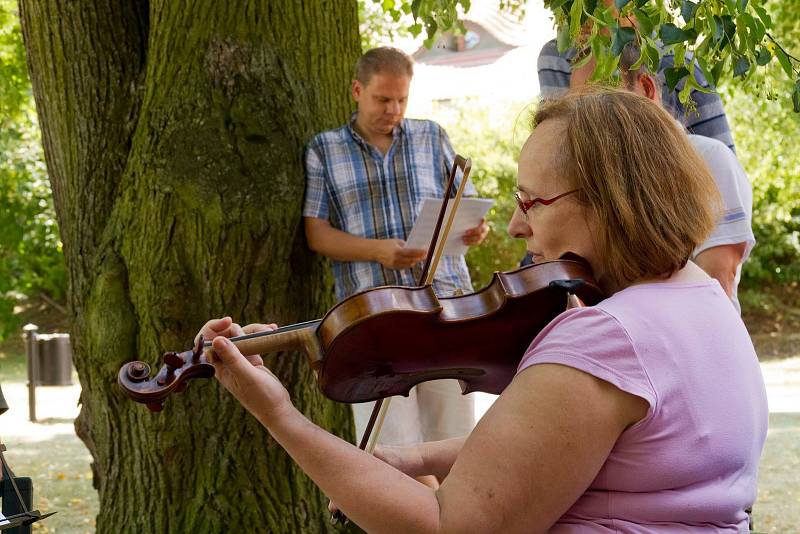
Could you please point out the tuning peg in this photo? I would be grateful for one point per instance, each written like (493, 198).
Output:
(173, 360)
(138, 371)
(198, 349)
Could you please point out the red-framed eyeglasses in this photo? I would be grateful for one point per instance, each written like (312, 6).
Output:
(526, 205)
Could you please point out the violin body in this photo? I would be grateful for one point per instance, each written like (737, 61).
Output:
(383, 341)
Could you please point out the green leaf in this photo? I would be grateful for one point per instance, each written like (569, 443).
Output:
(741, 67)
(621, 3)
(717, 70)
(575, 13)
(756, 27)
(622, 36)
(701, 63)
(653, 55)
(680, 55)
(562, 38)
(646, 24)
(415, 5)
(763, 57)
(685, 93)
(783, 59)
(671, 34)
(796, 97)
(674, 76)
(728, 27)
(763, 15)
(688, 9)
(742, 5)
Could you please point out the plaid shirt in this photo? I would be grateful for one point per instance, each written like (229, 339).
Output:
(709, 120)
(368, 194)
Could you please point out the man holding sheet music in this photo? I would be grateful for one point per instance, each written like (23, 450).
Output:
(365, 185)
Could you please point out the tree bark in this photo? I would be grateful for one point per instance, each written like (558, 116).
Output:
(173, 133)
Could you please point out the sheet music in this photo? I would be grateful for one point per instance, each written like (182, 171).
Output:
(469, 214)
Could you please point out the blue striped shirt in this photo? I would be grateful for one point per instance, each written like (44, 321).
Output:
(363, 192)
(708, 120)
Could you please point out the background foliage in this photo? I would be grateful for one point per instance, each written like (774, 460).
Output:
(31, 260)
(766, 134)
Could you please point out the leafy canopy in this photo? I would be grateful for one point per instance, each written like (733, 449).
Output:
(727, 38)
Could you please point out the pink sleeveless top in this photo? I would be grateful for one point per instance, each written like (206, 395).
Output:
(691, 464)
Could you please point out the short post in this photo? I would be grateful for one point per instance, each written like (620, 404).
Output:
(31, 348)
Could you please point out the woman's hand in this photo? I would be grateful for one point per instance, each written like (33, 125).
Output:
(407, 459)
(245, 377)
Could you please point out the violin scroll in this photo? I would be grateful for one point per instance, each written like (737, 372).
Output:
(179, 367)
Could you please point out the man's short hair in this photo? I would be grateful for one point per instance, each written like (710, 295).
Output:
(384, 60)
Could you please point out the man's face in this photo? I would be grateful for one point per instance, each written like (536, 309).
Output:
(381, 102)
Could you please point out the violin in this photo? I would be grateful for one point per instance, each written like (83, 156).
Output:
(383, 341)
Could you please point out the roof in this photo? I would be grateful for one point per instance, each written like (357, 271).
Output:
(491, 33)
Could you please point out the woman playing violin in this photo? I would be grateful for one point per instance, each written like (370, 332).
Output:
(643, 414)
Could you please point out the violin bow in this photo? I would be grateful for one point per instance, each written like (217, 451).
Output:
(370, 438)
(428, 272)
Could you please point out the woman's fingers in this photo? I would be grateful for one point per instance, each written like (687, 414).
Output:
(226, 327)
(259, 327)
(214, 328)
(228, 355)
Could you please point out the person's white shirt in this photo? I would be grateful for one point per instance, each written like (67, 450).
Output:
(735, 222)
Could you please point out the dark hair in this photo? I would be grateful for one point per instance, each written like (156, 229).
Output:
(384, 59)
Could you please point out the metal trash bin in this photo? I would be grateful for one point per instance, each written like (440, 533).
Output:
(49, 362)
(54, 360)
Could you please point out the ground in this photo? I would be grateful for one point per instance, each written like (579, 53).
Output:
(50, 453)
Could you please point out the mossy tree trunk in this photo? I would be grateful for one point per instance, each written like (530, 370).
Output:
(174, 133)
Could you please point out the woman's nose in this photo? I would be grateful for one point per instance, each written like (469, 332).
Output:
(518, 226)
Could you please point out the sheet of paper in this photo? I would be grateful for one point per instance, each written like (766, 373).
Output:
(469, 214)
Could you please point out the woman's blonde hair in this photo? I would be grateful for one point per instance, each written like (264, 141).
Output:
(651, 194)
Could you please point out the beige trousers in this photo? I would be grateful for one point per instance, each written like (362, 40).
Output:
(432, 411)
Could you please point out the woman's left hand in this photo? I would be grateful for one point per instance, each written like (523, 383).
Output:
(245, 377)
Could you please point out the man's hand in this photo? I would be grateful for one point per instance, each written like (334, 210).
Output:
(475, 236)
(392, 254)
